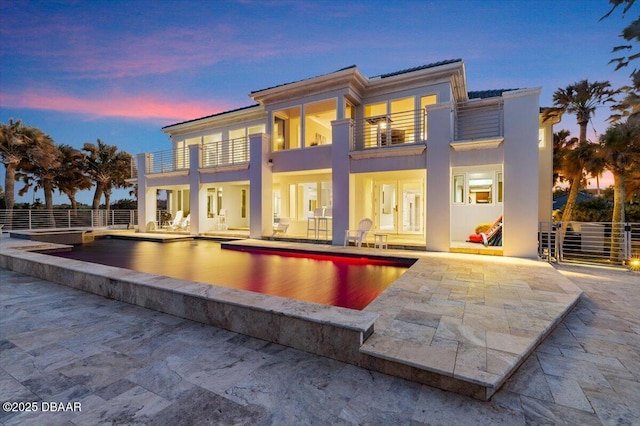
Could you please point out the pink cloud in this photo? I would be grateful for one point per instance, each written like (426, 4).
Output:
(126, 106)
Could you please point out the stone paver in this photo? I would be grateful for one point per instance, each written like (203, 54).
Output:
(129, 365)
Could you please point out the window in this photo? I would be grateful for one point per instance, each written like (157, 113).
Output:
(458, 189)
(212, 150)
(243, 207)
(286, 129)
(238, 146)
(424, 102)
(477, 188)
(317, 122)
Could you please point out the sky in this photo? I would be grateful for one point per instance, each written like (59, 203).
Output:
(119, 71)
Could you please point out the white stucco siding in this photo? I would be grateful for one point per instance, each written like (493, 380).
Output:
(521, 110)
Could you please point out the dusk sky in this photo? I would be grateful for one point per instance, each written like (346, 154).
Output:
(121, 70)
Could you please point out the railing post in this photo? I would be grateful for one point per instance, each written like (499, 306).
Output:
(68, 218)
(558, 242)
(627, 241)
(29, 218)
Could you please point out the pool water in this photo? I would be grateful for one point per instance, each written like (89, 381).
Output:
(331, 280)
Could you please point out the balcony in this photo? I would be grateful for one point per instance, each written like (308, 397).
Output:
(479, 120)
(389, 130)
(168, 161)
(233, 152)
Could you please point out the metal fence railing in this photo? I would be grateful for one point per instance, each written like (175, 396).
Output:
(225, 153)
(589, 242)
(42, 219)
(477, 120)
(390, 129)
(170, 160)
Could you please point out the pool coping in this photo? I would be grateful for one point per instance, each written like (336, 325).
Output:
(364, 338)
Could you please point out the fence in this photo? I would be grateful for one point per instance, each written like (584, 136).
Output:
(589, 242)
(42, 219)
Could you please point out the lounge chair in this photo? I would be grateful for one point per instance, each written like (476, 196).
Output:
(358, 235)
(282, 226)
(491, 237)
(173, 224)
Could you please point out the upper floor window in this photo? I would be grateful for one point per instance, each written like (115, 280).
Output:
(424, 102)
(317, 122)
(286, 128)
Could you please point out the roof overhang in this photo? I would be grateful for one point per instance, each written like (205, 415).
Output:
(255, 112)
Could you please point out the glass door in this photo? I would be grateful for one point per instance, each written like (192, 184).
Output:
(411, 206)
(387, 209)
(399, 206)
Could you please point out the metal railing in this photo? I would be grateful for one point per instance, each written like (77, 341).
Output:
(225, 153)
(166, 161)
(44, 219)
(390, 129)
(479, 119)
(589, 242)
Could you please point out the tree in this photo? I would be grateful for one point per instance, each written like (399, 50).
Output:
(39, 169)
(620, 151)
(630, 104)
(17, 141)
(581, 99)
(108, 168)
(71, 176)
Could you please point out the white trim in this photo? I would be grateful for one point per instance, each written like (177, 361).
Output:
(476, 144)
(522, 92)
(397, 151)
(229, 168)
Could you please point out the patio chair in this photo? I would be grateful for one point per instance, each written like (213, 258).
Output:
(186, 223)
(282, 226)
(358, 235)
(175, 223)
(222, 219)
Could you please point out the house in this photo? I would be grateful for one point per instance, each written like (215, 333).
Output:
(413, 150)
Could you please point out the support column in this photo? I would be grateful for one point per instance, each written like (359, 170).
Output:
(260, 187)
(196, 210)
(341, 134)
(438, 177)
(521, 169)
(146, 196)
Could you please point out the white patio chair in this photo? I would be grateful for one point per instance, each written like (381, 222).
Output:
(282, 226)
(175, 223)
(222, 220)
(358, 235)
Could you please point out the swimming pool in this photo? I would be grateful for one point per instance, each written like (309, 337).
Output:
(350, 282)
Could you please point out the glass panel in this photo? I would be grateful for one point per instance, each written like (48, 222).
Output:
(480, 190)
(424, 101)
(237, 149)
(326, 195)
(412, 207)
(317, 122)
(458, 189)
(375, 124)
(286, 129)
(402, 121)
(499, 178)
(387, 207)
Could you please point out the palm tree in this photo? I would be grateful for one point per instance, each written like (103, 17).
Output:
(581, 99)
(17, 144)
(108, 168)
(71, 176)
(619, 149)
(40, 169)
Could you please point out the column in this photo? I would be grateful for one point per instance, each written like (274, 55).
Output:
(341, 134)
(260, 187)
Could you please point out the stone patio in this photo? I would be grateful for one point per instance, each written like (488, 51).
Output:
(127, 364)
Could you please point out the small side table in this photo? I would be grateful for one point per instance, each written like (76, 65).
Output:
(380, 241)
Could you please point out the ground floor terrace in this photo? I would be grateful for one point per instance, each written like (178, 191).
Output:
(127, 364)
(397, 202)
